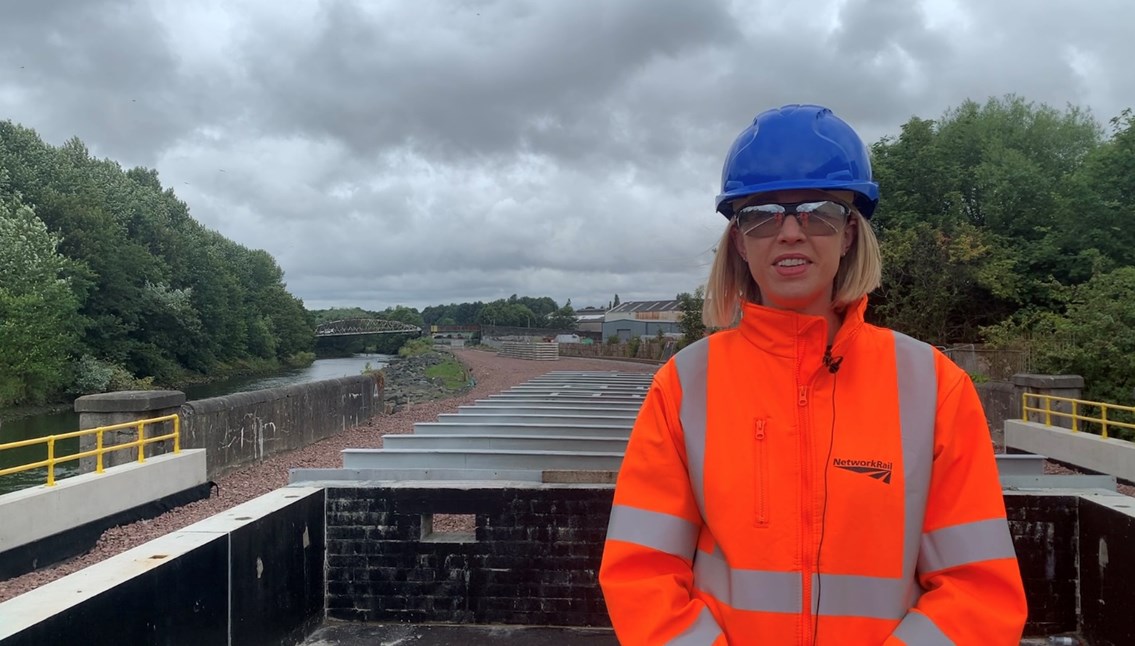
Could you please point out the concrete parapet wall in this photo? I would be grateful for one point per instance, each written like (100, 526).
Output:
(250, 576)
(247, 427)
(1086, 450)
(533, 351)
(45, 511)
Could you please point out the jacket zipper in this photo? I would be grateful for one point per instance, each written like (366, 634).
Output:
(761, 445)
(805, 518)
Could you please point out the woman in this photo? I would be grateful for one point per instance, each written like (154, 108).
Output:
(804, 477)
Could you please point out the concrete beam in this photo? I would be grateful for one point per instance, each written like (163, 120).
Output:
(1024, 482)
(251, 574)
(580, 419)
(549, 409)
(566, 399)
(448, 428)
(506, 443)
(45, 511)
(316, 476)
(1009, 464)
(614, 390)
(442, 459)
(1092, 452)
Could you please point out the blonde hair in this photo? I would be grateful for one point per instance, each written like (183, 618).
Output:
(731, 283)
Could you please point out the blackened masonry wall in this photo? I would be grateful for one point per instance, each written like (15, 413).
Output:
(534, 558)
(535, 555)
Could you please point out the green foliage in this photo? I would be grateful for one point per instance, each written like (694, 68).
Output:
(139, 284)
(563, 318)
(37, 307)
(300, 359)
(509, 314)
(989, 211)
(633, 346)
(690, 321)
(1093, 336)
(415, 347)
(450, 372)
(94, 376)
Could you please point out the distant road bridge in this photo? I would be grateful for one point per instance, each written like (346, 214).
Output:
(362, 327)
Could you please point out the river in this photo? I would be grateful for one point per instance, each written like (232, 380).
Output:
(66, 421)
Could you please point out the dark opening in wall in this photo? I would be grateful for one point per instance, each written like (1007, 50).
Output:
(449, 528)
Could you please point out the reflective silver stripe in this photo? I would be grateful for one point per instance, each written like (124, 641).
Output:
(919, 630)
(692, 363)
(702, 632)
(847, 595)
(918, 408)
(984, 540)
(758, 590)
(653, 529)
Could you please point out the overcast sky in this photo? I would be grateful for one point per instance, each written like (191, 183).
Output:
(418, 152)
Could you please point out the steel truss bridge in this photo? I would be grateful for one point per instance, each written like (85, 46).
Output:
(362, 327)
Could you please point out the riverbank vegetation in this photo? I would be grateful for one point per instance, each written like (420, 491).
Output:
(107, 282)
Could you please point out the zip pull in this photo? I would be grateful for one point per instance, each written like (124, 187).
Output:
(803, 396)
(760, 432)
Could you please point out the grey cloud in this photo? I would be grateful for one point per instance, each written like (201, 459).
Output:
(99, 70)
(539, 77)
(433, 152)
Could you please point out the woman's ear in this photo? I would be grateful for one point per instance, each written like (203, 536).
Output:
(738, 242)
(849, 233)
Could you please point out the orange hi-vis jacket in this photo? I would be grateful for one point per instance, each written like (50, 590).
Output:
(777, 491)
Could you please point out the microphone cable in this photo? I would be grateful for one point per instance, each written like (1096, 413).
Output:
(833, 367)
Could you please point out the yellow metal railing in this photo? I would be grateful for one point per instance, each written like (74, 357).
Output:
(1076, 410)
(99, 450)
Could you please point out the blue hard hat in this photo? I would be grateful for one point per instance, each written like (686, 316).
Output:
(798, 147)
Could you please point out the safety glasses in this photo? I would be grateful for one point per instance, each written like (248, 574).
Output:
(821, 218)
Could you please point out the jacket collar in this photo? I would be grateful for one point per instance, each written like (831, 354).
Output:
(790, 334)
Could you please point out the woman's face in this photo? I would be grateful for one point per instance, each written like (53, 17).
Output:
(794, 260)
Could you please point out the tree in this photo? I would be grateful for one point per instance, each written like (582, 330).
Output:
(37, 307)
(563, 318)
(615, 303)
(1093, 336)
(157, 294)
(690, 322)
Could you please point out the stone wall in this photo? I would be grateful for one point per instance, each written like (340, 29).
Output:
(248, 427)
(535, 554)
(1044, 529)
(533, 557)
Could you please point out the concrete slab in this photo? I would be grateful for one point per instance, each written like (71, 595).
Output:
(315, 476)
(579, 419)
(1017, 464)
(357, 634)
(630, 402)
(45, 511)
(1024, 482)
(472, 459)
(435, 428)
(1085, 450)
(502, 428)
(551, 408)
(506, 442)
(550, 388)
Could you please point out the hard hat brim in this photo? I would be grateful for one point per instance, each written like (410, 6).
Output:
(866, 193)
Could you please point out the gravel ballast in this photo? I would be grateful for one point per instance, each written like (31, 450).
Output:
(492, 373)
